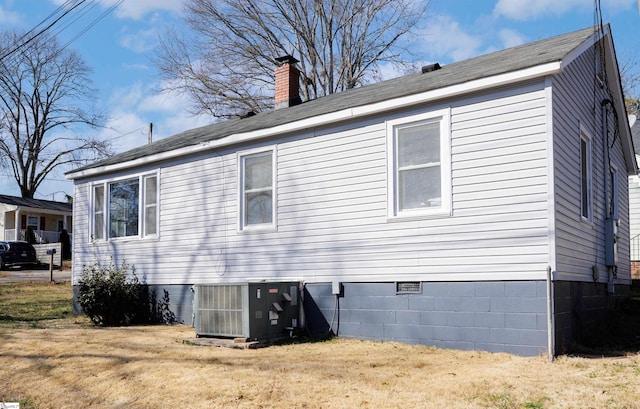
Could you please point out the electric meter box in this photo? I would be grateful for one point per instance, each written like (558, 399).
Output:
(255, 311)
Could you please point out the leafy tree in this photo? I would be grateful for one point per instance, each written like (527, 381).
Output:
(227, 64)
(45, 93)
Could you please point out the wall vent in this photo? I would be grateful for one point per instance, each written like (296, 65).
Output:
(408, 287)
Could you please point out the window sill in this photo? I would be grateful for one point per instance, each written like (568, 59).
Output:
(124, 239)
(258, 229)
(440, 214)
(587, 222)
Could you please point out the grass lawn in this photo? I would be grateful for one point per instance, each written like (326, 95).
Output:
(52, 359)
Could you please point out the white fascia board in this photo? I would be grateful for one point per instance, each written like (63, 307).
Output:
(333, 117)
(43, 211)
(576, 52)
(551, 183)
(613, 75)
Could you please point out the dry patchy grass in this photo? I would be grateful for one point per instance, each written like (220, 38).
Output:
(73, 365)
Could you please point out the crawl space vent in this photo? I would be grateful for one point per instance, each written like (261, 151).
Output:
(408, 287)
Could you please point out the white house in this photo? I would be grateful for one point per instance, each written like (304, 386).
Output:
(480, 205)
(46, 218)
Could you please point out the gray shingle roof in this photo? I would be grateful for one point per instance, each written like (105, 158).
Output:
(500, 62)
(36, 203)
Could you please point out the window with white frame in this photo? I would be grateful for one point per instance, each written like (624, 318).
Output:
(150, 205)
(257, 189)
(419, 165)
(125, 208)
(33, 222)
(98, 212)
(586, 179)
(613, 192)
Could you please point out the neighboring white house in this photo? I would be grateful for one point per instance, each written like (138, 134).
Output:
(46, 218)
(480, 205)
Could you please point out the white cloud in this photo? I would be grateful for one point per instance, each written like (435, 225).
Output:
(445, 40)
(171, 116)
(125, 130)
(9, 18)
(139, 41)
(511, 38)
(388, 71)
(137, 9)
(136, 67)
(136, 106)
(126, 98)
(529, 10)
(445, 37)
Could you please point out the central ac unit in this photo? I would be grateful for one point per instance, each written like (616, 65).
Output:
(255, 311)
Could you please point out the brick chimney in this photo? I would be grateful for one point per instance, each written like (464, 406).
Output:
(287, 83)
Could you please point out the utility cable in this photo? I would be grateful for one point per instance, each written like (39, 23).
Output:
(39, 33)
(81, 12)
(43, 21)
(104, 14)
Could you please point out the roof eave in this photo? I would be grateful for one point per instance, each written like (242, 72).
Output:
(613, 72)
(39, 210)
(538, 71)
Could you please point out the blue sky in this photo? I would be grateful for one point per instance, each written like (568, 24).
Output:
(119, 47)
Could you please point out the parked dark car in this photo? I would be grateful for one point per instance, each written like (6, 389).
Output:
(17, 253)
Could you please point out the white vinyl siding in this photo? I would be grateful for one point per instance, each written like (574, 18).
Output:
(579, 246)
(331, 205)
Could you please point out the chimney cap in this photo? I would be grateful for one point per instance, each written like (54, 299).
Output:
(286, 59)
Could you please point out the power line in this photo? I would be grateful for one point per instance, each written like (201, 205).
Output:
(93, 23)
(69, 6)
(47, 28)
(53, 13)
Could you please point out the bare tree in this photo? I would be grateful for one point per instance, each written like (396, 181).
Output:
(227, 64)
(630, 77)
(45, 95)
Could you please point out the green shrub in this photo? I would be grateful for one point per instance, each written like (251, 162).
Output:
(109, 297)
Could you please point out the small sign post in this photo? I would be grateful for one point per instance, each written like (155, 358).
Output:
(51, 252)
